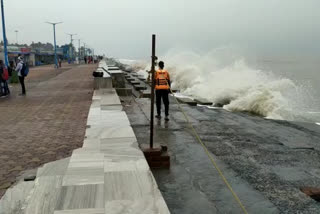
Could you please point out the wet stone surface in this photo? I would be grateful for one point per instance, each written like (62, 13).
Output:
(266, 161)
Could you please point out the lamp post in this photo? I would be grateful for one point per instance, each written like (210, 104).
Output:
(55, 45)
(5, 49)
(84, 49)
(79, 51)
(16, 36)
(71, 35)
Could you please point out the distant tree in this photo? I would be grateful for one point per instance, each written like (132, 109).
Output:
(42, 46)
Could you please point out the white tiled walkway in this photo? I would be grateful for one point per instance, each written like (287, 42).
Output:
(108, 175)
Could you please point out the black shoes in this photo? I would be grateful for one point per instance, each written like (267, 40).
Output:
(166, 117)
(4, 95)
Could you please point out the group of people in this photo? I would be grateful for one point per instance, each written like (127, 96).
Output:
(162, 84)
(6, 74)
(88, 60)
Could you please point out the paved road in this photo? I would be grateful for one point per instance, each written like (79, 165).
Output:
(48, 123)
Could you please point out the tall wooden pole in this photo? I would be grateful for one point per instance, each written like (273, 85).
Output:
(153, 59)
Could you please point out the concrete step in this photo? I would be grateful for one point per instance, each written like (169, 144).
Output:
(45, 195)
(132, 79)
(142, 78)
(16, 197)
(56, 168)
(187, 101)
(145, 94)
(140, 87)
(135, 82)
(124, 91)
(203, 101)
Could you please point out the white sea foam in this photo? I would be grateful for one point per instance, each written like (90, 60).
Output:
(135, 65)
(224, 78)
(127, 61)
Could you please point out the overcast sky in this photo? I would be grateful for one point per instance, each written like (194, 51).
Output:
(123, 28)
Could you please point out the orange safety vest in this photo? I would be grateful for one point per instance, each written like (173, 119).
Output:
(161, 80)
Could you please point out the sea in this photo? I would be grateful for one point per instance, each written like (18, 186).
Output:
(281, 88)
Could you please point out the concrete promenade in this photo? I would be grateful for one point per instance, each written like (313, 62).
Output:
(48, 123)
(109, 174)
(265, 161)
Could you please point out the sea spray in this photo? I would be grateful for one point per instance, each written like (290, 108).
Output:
(226, 79)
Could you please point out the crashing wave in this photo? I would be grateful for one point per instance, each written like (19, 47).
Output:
(228, 81)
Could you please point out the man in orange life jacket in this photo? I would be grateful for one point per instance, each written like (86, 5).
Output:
(162, 86)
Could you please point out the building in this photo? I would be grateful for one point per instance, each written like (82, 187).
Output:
(34, 57)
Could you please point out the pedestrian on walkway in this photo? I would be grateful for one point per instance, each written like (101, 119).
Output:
(2, 94)
(4, 76)
(162, 86)
(59, 61)
(10, 69)
(20, 69)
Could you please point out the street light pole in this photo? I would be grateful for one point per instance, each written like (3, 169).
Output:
(16, 36)
(55, 44)
(84, 49)
(79, 50)
(71, 35)
(5, 49)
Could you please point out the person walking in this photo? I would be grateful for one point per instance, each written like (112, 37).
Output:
(4, 76)
(20, 69)
(2, 94)
(59, 61)
(162, 87)
(10, 70)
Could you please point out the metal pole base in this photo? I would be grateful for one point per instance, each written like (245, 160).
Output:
(157, 157)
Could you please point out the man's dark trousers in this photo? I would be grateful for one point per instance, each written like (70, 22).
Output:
(164, 94)
(21, 80)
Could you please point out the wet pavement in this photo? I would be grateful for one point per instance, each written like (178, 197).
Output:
(266, 161)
